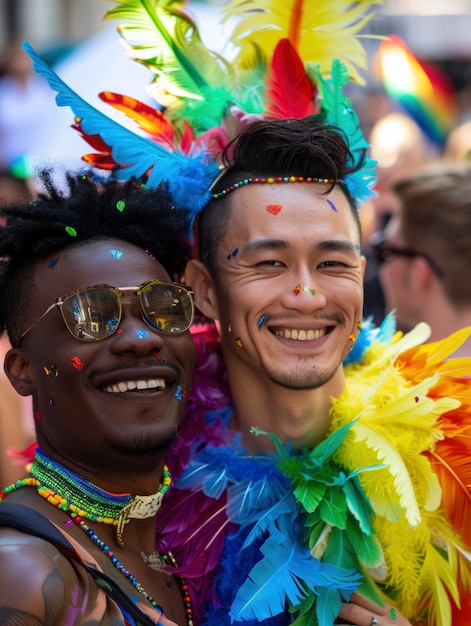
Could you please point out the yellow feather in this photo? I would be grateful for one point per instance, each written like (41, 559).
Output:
(320, 30)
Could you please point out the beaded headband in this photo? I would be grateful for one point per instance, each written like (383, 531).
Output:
(279, 179)
(207, 99)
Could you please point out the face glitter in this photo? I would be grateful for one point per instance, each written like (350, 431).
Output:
(71, 231)
(274, 209)
(297, 289)
(120, 205)
(261, 321)
(239, 342)
(52, 263)
(229, 328)
(116, 253)
(352, 337)
(179, 393)
(51, 370)
(77, 363)
(141, 333)
(311, 291)
(332, 205)
(232, 254)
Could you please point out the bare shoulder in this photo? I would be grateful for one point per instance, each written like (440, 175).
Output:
(32, 574)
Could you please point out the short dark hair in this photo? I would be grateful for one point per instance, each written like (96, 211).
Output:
(435, 218)
(287, 147)
(87, 210)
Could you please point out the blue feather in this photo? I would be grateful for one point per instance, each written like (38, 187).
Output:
(188, 177)
(286, 573)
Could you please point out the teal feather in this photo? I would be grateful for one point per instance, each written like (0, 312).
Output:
(188, 177)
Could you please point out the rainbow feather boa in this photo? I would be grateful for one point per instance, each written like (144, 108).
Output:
(381, 506)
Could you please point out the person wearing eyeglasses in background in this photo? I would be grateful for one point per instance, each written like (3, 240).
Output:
(425, 251)
(100, 336)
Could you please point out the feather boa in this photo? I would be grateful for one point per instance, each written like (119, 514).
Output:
(284, 539)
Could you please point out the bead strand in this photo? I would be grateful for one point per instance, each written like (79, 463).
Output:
(276, 179)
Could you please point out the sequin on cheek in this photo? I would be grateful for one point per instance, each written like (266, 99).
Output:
(141, 333)
(352, 337)
(310, 291)
(179, 393)
(119, 331)
(232, 254)
(116, 253)
(121, 205)
(261, 321)
(71, 231)
(274, 209)
(239, 342)
(77, 363)
(229, 328)
(332, 205)
(51, 370)
(297, 289)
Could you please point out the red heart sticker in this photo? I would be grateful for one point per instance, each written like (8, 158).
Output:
(274, 209)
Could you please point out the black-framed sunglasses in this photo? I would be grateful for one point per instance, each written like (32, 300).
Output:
(384, 252)
(94, 313)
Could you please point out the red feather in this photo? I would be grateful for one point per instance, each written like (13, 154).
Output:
(290, 91)
(149, 119)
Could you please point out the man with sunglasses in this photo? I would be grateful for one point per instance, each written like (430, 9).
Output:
(100, 340)
(425, 251)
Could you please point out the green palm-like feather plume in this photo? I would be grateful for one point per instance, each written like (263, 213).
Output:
(159, 34)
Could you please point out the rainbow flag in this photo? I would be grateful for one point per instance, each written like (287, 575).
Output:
(420, 88)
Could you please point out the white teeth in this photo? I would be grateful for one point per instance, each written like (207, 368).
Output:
(130, 385)
(300, 335)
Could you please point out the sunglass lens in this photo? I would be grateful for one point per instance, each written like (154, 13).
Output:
(92, 314)
(167, 307)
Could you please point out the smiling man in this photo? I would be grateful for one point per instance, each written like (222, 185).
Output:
(100, 340)
(327, 498)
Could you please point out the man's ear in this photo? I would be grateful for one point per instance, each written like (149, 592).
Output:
(17, 368)
(422, 275)
(198, 277)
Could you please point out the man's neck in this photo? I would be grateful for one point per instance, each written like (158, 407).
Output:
(298, 416)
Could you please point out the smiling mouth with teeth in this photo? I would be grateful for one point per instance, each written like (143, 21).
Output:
(301, 334)
(131, 385)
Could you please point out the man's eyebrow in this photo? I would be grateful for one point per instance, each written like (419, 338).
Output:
(280, 244)
(265, 244)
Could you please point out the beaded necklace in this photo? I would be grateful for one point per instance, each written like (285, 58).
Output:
(49, 477)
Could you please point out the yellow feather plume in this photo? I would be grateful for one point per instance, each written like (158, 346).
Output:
(320, 30)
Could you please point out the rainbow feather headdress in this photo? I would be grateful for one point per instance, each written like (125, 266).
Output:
(292, 59)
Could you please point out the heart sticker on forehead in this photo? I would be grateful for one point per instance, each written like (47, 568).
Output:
(274, 209)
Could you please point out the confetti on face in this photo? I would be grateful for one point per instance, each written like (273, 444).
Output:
(232, 254)
(51, 370)
(119, 331)
(239, 342)
(179, 393)
(71, 231)
(311, 291)
(120, 205)
(141, 333)
(229, 328)
(116, 253)
(77, 363)
(261, 321)
(332, 205)
(274, 209)
(52, 263)
(352, 337)
(297, 289)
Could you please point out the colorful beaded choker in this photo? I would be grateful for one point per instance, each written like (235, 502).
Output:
(49, 476)
(279, 179)
(70, 492)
